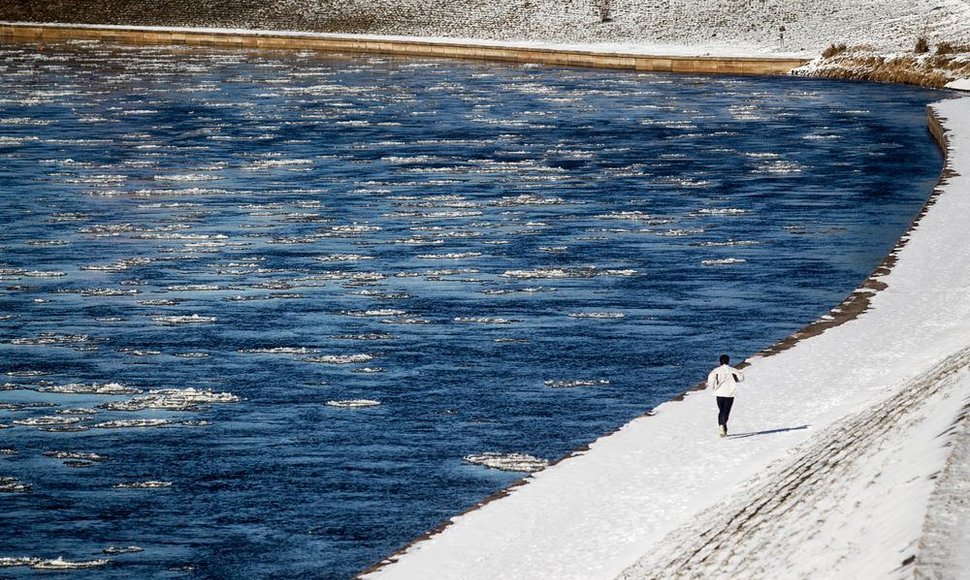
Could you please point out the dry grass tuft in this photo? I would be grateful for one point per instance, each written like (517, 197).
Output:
(922, 45)
(834, 49)
(950, 48)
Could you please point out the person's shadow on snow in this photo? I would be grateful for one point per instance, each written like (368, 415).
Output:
(768, 432)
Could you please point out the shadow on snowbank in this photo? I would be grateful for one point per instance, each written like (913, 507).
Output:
(768, 432)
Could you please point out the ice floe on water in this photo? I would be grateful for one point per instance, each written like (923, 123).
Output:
(375, 312)
(340, 359)
(76, 456)
(52, 339)
(597, 315)
(578, 272)
(47, 421)
(188, 399)
(122, 550)
(118, 265)
(151, 484)
(344, 258)
(483, 320)
(62, 564)
(281, 350)
(508, 461)
(723, 262)
(353, 403)
(449, 256)
(13, 485)
(728, 243)
(126, 423)
(576, 383)
(90, 389)
(176, 320)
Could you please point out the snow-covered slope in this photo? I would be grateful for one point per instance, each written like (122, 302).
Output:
(834, 459)
(754, 26)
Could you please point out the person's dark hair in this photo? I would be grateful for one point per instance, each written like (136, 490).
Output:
(725, 359)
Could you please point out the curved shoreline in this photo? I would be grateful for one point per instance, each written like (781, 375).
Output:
(856, 303)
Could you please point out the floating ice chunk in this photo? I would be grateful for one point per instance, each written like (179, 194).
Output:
(600, 315)
(354, 228)
(528, 199)
(365, 336)
(340, 359)
(161, 302)
(352, 403)
(508, 461)
(723, 262)
(47, 420)
(152, 484)
(44, 274)
(194, 288)
(138, 352)
(61, 564)
(281, 350)
(172, 400)
(344, 258)
(47, 243)
(483, 320)
(8, 451)
(576, 383)
(449, 256)
(538, 273)
(8, 562)
(52, 338)
(638, 216)
(405, 320)
(189, 319)
(91, 389)
(118, 266)
(728, 243)
(13, 485)
(26, 373)
(124, 423)
(681, 232)
(75, 455)
(77, 411)
(377, 312)
(187, 177)
(122, 550)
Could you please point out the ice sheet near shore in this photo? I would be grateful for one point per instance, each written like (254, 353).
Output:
(840, 463)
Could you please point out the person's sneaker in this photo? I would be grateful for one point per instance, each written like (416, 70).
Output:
(722, 431)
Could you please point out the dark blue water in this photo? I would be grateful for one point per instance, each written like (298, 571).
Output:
(481, 232)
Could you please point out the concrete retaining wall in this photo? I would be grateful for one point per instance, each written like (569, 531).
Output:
(17, 32)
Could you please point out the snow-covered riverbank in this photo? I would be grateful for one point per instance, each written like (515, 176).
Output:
(833, 461)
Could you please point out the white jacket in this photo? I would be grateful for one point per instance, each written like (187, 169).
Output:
(724, 380)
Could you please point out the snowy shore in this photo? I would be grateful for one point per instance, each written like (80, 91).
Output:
(840, 447)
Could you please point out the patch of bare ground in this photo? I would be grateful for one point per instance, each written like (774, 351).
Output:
(924, 66)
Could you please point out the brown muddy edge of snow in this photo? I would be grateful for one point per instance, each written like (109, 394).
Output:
(855, 304)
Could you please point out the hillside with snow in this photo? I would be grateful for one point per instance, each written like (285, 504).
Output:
(757, 26)
(924, 42)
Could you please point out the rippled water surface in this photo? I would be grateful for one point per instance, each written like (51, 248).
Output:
(257, 307)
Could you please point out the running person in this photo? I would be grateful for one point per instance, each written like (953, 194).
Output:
(724, 381)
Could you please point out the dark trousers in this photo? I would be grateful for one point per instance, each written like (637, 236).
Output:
(724, 409)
